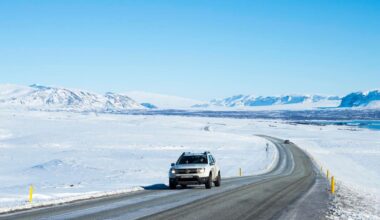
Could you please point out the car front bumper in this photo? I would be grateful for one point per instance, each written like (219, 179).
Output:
(188, 179)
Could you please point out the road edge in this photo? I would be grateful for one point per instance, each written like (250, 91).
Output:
(314, 203)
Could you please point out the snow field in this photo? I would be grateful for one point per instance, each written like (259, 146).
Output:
(69, 156)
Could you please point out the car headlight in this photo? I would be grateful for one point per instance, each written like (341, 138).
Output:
(172, 171)
(201, 170)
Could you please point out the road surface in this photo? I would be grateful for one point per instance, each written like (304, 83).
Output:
(294, 189)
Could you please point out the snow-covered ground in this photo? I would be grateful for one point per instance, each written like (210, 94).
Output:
(70, 154)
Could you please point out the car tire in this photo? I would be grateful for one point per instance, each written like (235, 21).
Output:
(172, 184)
(209, 182)
(218, 180)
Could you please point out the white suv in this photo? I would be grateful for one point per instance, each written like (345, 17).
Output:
(195, 168)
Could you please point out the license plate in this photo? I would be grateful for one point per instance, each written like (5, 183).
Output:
(186, 177)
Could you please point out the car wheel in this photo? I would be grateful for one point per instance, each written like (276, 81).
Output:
(209, 182)
(218, 180)
(172, 184)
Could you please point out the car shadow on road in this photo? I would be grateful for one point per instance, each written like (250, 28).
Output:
(162, 186)
(156, 187)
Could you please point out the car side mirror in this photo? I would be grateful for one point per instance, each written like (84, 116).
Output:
(173, 164)
(212, 163)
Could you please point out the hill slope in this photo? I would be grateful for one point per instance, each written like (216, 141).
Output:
(54, 98)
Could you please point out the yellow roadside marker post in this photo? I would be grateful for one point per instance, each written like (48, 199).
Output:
(332, 185)
(240, 172)
(31, 193)
(328, 174)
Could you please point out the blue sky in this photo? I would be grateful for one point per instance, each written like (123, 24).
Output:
(197, 49)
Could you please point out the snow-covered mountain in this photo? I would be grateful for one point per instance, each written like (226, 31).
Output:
(250, 101)
(154, 100)
(54, 98)
(362, 99)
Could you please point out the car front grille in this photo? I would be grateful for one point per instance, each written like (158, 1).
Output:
(186, 171)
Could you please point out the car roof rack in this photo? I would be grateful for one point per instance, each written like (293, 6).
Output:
(185, 153)
(191, 153)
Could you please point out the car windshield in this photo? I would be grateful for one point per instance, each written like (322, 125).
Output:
(200, 159)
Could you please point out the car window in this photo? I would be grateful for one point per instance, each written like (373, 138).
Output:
(194, 159)
(211, 159)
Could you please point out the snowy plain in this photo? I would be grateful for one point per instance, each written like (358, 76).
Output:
(70, 156)
(79, 155)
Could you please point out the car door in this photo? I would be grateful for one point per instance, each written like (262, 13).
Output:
(212, 165)
(216, 167)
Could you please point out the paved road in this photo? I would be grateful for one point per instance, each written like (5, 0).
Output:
(292, 190)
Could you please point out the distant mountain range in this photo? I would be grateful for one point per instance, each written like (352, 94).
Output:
(362, 99)
(369, 99)
(40, 97)
(251, 101)
(53, 98)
